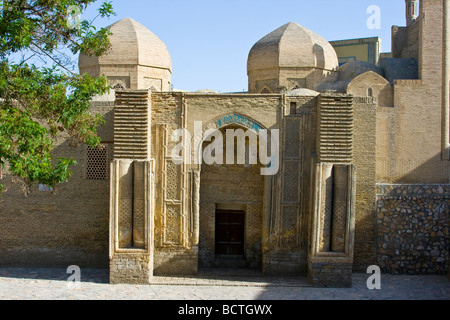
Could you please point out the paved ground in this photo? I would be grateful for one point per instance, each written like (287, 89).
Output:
(51, 284)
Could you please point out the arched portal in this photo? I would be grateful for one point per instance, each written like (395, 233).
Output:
(233, 197)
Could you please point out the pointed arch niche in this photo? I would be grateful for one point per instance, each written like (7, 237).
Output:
(236, 189)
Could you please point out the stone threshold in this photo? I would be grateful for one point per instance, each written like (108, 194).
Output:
(263, 282)
(232, 278)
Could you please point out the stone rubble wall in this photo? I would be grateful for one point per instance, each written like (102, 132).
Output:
(413, 228)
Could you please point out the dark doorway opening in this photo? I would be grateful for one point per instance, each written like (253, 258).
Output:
(230, 233)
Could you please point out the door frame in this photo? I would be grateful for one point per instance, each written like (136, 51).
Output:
(243, 235)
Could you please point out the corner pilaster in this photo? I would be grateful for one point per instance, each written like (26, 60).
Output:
(132, 188)
(333, 222)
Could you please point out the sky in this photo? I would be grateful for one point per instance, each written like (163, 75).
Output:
(209, 40)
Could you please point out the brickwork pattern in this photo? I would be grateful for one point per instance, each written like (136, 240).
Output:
(131, 126)
(414, 122)
(331, 251)
(286, 248)
(61, 228)
(97, 162)
(285, 262)
(231, 184)
(326, 274)
(174, 254)
(365, 143)
(175, 261)
(335, 128)
(130, 268)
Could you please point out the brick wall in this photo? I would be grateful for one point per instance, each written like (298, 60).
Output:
(364, 159)
(130, 268)
(408, 136)
(399, 40)
(411, 50)
(225, 184)
(68, 227)
(235, 184)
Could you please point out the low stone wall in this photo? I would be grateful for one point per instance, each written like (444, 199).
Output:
(413, 228)
(175, 261)
(330, 274)
(285, 262)
(130, 268)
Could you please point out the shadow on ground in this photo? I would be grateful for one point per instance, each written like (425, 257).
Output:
(57, 274)
(207, 276)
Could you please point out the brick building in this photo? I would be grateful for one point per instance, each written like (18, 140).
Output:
(362, 165)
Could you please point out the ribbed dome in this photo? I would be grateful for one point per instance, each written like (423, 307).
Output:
(131, 44)
(292, 46)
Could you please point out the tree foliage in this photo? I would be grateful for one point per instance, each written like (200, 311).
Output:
(40, 97)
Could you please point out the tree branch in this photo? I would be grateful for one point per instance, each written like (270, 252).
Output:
(53, 59)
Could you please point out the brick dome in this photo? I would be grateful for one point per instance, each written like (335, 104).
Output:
(131, 44)
(292, 46)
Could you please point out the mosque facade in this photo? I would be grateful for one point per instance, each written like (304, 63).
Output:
(343, 167)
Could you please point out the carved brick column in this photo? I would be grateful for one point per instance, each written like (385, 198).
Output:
(333, 222)
(196, 206)
(131, 193)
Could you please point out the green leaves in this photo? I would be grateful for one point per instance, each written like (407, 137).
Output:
(26, 146)
(44, 25)
(37, 104)
(106, 9)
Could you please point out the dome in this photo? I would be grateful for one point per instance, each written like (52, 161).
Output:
(353, 69)
(292, 46)
(131, 44)
(302, 92)
(206, 91)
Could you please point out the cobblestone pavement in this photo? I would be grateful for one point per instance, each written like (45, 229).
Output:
(51, 284)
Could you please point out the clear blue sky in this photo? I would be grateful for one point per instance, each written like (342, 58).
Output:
(209, 40)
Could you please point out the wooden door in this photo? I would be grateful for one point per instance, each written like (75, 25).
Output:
(230, 233)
